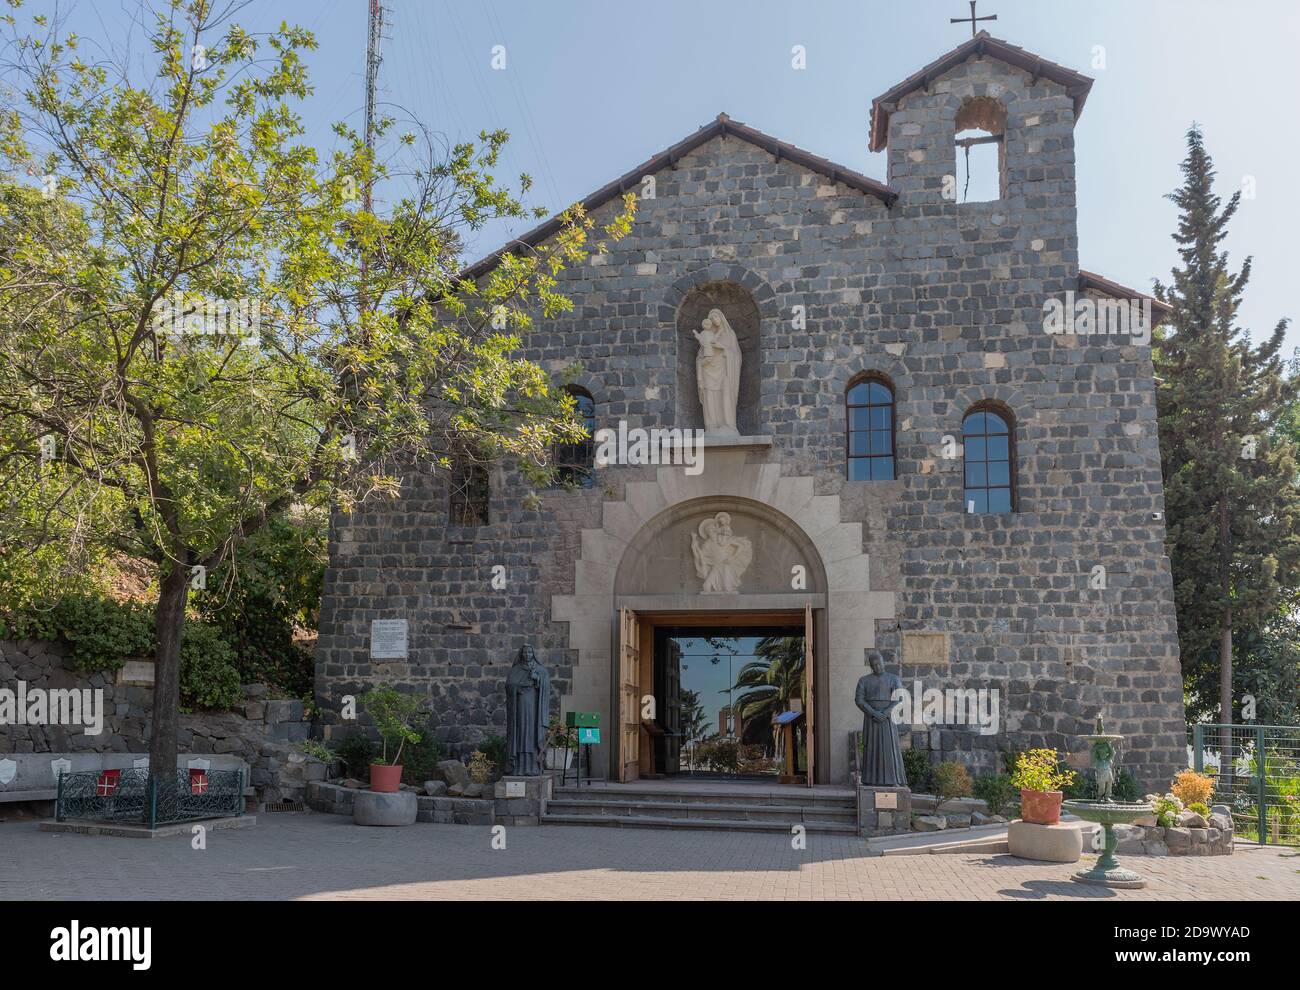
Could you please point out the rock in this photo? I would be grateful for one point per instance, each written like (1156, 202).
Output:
(959, 820)
(473, 790)
(456, 790)
(1146, 821)
(1154, 847)
(254, 690)
(1221, 821)
(979, 818)
(1221, 809)
(1178, 837)
(1191, 819)
(929, 823)
(409, 787)
(453, 772)
(435, 788)
(1129, 839)
(353, 783)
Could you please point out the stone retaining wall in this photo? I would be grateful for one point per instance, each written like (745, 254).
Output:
(263, 732)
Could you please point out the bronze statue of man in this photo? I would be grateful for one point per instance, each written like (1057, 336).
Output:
(882, 758)
(528, 708)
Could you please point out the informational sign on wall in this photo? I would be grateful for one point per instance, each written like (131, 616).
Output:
(388, 639)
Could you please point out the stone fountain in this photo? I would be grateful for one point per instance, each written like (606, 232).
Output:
(1107, 812)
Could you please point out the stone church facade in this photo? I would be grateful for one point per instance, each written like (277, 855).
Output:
(1039, 572)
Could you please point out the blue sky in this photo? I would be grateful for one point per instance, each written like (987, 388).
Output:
(593, 87)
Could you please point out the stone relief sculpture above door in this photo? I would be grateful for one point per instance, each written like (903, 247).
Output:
(721, 557)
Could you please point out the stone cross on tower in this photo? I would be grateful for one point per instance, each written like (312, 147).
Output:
(972, 19)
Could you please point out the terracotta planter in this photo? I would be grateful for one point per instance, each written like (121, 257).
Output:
(387, 780)
(1040, 807)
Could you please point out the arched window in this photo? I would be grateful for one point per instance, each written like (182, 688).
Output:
(574, 461)
(981, 125)
(869, 420)
(990, 462)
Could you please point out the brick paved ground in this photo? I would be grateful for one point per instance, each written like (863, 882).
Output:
(325, 856)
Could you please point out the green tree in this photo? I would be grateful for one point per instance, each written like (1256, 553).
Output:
(767, 684)
(175, 191)
(1230, 476)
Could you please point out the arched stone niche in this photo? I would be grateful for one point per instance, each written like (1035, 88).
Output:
(659, 559)
(742, 312)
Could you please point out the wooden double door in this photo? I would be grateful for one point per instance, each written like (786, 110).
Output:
(639, 707)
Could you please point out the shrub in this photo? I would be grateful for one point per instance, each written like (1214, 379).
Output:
(950, 781)
(317, 750)
(356, 752)
(1126, 786)
(1191, 787)
(421, 758)
(996, 790)
(481, 769)
(209, 678)
(1165, 809)
(102, 634)
(494, 748)
(273, 594)
(1201, 809)
(1041, 770)
(916, 767)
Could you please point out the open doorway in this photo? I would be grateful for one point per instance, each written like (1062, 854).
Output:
(730, 702)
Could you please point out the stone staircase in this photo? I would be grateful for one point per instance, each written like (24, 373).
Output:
(701, 806)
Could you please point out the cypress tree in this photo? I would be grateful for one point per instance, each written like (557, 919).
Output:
(1231, 497)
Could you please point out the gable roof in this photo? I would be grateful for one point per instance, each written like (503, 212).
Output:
(1076, 84)
(1091, 281)
(721, 126)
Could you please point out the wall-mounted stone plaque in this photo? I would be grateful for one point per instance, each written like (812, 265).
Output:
(925, 649)
(388, 639)
(136, 672)
(886, 800)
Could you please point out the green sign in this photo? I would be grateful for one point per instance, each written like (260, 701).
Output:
(580, 720)
(588, 736)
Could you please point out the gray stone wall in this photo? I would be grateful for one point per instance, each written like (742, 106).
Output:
(943, 298)
(263, 732)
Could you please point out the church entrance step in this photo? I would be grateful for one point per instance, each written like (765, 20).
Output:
(781, 814)
(687, 805)
(712, 824)
(788, 797)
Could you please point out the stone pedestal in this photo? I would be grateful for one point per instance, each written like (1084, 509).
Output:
(884, 810)
(521, 800)
(376, 808)
(1059, 843)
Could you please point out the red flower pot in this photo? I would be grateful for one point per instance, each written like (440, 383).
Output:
(1040, 807)
(386, 779)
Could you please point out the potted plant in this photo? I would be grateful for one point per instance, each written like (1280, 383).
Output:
(1040, 777)
(559, 755)
(394, 715)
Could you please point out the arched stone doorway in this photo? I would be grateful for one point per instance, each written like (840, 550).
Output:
(640, 559)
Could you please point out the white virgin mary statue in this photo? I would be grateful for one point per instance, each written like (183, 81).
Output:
(717, 374)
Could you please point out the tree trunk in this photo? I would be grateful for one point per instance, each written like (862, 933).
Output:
(169, 620)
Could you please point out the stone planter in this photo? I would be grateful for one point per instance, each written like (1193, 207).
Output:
(384, 809)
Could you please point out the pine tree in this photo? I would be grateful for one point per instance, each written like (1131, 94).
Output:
(1231, 495)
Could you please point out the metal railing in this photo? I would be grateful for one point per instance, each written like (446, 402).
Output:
(138, 797)
(1257, 774)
